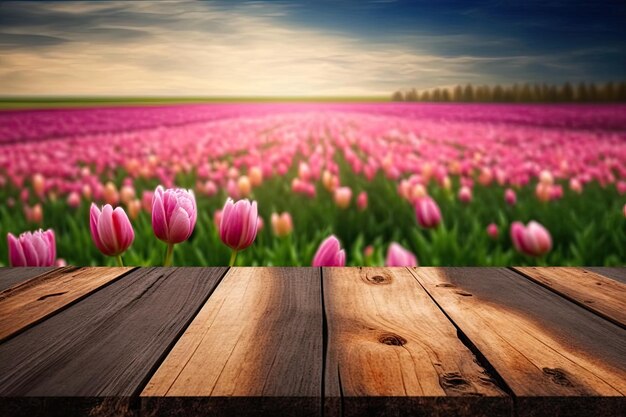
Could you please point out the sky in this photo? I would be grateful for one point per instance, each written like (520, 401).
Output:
(303, 48)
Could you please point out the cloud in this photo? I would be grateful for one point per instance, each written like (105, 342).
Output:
(198, 49)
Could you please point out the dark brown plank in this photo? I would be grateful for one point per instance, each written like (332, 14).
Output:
(12, 276)
(556, 357)
(597, 293)
(391, 348)
(107, 345)
(618, 274)
(255, 348)
(32, 301)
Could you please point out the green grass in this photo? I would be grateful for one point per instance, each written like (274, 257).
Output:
(587, 229)
(12, 103)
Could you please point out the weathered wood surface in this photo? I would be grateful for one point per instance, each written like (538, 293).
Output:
(618, 274)
(310, 341)
(391, 347)
(545, 348)
(13, 276)
(255, 348)
(32, 301)
(102, 350)
(604, 296)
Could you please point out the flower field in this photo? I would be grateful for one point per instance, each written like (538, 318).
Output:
(439, 184)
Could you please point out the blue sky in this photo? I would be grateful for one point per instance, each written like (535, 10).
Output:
(322, 47)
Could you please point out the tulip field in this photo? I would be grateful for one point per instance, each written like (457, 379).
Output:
(331, 183)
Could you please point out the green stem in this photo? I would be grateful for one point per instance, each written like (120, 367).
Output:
(169, 255)
(118, 258)
(233, 257)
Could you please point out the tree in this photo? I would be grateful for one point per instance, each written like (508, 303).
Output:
(468, 93)
(397, 96)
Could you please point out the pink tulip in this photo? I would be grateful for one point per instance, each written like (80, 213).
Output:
(368, 251)
(239, 225)
(398, 256)
(32, 248)
(73, 200)
(575, 185)
(465, 194)
(492, 231)
(146, 200)
(174, 214)
(34, 214)
(510, 197)
(329, 253)
(621, 187)
(217, 218)
(60, 262)
(342, 197)
(111, 230)
(533, 239)
(427, 212)
(361, 200)
(282, 224)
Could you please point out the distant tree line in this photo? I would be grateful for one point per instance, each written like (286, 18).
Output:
(520, 93)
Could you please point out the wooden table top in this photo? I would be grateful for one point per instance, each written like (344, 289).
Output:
(312, 341)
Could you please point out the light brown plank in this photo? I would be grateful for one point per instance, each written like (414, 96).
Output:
(604, 296)
(255, 345)
(391, 347)
(547, 349)
(25, 304)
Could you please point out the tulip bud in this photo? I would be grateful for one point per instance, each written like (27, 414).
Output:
(492, 231)
(244, 186)
(127, 194)
(329, 253)
(111, 230)
(256, 176)
(134, 208)
(532, 240)
(575, 185)
(427, 212)
(361, 200)
(73, 199)
(546, 178)
(465, 194)
(110, 194)
(32, 248)
(398, 256)
(282, 224)
(146, 201)
(239, 224)
(39, 184)
(174, 214)
(510, 197)
(342, 196)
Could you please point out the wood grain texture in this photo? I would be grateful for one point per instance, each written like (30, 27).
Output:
(618, 274)
(13, 276)
(391, 348)
(545, 348)
(255, 348)
(101, 351)
(603, 296)
(28, 303)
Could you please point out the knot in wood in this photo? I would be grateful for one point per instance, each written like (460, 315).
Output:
(446, 285)
(378, 279)
(392, 339)
(558, 376)
(463, 293)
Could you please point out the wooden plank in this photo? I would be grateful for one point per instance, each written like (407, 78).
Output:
(618, 274)
(255, 348)
(595, 292)
(547, 349)
(391, 348)
(28, 303)
(94, 355)
(13, 276)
